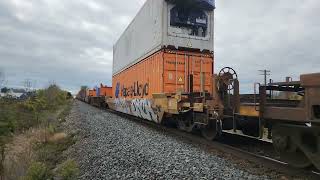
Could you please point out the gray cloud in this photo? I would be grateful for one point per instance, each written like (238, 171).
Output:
(71, 41)
(281, 36)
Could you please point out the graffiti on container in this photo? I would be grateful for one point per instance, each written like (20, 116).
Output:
(138, 107)
(117, 90)
(135, 90)
(122, 105)
(142, 108)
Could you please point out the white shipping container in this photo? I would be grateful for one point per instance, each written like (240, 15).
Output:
(160, 24)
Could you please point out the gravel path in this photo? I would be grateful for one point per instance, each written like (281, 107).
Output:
(113, 147)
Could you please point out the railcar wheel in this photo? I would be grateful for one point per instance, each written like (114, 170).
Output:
(288, 150)
(296, 159)
(184, 127)
(210, 131)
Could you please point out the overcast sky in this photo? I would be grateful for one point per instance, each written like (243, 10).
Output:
(70, 41)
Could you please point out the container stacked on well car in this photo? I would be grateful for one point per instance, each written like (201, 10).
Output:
(103, 93)
(164, 57)
(97, 96)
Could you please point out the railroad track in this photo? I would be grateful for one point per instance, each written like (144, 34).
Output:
(268, 163)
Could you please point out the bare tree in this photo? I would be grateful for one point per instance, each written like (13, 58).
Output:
(52, 82)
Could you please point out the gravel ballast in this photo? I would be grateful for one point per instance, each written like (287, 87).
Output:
(113, 147)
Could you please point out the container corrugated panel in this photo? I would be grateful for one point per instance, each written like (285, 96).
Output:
(155, 27)
(106, 91)
(92, 93)
(164, 72)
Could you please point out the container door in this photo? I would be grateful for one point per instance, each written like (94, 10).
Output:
(201, 65)
(175, 72)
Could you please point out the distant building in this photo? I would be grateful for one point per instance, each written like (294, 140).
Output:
(14, 94)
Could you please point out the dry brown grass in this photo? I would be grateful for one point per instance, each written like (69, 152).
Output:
(57, 137)
(20, 153)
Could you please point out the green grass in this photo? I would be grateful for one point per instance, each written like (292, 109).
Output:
(62, 116)
(68, 170)
(38, 171)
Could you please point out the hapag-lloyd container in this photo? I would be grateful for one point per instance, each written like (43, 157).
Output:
(166, 71)
(162, 23)
(162, 73)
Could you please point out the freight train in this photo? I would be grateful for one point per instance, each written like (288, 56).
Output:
(96, 96)
(163, 71)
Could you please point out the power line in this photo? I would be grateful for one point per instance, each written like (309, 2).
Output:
(266, 73)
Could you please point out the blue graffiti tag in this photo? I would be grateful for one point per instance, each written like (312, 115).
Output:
(117, 90)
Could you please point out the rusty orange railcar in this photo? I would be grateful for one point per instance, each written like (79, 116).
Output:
(105, 91)
(89, 93)
(92, 93)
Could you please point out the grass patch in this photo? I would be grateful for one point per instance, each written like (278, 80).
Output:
(38, 171)
(50, 152)
(68, 170)
(66, 111)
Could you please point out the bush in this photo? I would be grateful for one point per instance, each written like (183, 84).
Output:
(16, 115)
(68, 170)
(38, 171)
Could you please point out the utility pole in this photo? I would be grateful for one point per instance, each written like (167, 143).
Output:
(27, 84)
(266, 73)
